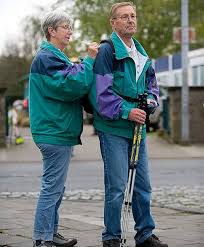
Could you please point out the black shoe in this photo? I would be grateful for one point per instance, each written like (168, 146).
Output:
(111, 243)
(39, 243)
(152, 241)
(59, 240)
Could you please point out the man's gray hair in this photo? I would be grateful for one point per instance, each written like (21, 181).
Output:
(53, 19)
(118, 5)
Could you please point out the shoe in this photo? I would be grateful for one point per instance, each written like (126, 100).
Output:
(111, 243)
(152, 241)
(59, 240)
(39, 243)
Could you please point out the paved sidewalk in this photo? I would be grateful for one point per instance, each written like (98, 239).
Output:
(83, 219)
(157, 148)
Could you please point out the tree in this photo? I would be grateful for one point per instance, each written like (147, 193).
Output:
(196, 19)
(93, 17)
(33, 34)
(12, 68)
(156, 20)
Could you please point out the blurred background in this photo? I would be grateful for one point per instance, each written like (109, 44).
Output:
(172, 32)
(159, 31)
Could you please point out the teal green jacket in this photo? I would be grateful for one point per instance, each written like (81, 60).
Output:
(115, 83)
(55, 88)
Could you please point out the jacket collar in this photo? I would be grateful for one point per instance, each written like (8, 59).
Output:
(48, 46)
(120, 49)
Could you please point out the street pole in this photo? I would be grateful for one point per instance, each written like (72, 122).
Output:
(185, 90)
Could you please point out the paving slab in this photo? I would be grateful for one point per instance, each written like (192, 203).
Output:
(84, 219)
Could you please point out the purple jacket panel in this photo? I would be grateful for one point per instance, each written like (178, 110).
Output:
(109, 104)
(72, 69)
(152, 85)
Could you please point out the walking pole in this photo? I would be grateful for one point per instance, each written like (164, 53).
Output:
(127, 204)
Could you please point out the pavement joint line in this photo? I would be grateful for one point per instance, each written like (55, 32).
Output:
(181, 198)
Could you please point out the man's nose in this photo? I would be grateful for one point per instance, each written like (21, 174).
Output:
(130, 19)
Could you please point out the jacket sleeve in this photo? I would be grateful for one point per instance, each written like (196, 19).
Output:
(152, 88)
(108, 104)
(62, 81)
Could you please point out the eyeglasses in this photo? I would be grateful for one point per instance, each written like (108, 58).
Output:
(126, 17)
(66, 27)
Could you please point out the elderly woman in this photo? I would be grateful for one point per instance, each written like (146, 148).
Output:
(56, 86)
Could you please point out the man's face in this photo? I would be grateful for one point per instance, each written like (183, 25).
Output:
(61, 35)
(125, 22)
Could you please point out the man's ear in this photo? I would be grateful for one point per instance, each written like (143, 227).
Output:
(112, 23)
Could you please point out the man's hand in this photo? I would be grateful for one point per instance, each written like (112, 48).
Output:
(92, 49)
(151, 106)
(151, 103)
(137, 115)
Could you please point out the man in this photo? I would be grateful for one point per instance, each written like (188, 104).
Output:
(55, 88)
(122, 74)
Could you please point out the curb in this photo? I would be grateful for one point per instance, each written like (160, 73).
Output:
(184, 199)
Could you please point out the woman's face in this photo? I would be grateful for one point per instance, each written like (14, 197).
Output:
(61, 35)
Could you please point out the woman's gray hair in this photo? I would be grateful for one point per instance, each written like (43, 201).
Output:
(53, 19)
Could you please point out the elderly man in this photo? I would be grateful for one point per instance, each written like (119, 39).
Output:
(56, 86)
(123, 71)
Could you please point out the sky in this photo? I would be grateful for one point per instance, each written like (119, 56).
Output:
(11, 14)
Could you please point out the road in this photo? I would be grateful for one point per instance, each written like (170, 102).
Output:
(24, 177)
(176, 183)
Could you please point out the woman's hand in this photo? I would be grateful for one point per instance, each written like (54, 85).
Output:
(93, 49)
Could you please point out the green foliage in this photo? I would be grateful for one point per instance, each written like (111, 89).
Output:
(156, 20)
(13, 67)
(196, 20)
(93, 17)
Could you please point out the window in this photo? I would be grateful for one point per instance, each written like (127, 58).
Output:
(163, 80)
(178, 79)
(202, 75)
(195, 75)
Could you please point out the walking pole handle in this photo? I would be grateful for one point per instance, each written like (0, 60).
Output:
(142, 104)
(142, 99)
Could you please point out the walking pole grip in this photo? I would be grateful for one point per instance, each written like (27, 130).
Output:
(142, 104)
(142, 99)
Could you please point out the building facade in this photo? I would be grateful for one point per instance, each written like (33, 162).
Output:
(169, 74)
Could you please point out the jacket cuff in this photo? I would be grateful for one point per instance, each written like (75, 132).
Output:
(89, 60)
(125, 112)
(152, 97)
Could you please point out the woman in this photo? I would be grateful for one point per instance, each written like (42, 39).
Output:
(55, 88)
